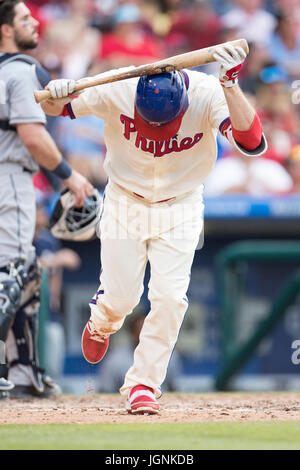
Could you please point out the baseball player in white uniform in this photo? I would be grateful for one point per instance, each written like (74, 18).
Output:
(160, 133)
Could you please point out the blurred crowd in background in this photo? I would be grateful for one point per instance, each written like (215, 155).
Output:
(86, 37)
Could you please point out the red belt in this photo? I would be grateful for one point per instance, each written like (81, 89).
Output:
(157, 202)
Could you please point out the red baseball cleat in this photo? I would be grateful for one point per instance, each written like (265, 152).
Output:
(93, 344)
(141, 400)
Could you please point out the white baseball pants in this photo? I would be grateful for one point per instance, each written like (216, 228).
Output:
(133, 232)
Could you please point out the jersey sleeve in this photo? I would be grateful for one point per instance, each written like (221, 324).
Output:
(23, 107)
(93, 101)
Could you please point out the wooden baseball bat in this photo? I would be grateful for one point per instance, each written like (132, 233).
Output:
(177, 62)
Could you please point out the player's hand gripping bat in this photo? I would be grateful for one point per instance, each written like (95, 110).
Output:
(178, 62)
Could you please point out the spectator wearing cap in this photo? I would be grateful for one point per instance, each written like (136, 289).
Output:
(128, 43)
(252, 20)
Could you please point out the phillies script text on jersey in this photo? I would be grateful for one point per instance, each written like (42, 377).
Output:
(158, 149)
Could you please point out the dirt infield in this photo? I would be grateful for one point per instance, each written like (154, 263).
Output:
(174, 408)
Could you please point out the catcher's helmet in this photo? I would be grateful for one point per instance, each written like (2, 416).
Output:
(160, 103)
(75, 223)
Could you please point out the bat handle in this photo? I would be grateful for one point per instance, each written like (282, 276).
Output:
(42, 95)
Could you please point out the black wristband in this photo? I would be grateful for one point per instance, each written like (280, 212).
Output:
(63, 170)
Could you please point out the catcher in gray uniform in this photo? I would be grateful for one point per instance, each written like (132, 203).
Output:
(25, 146)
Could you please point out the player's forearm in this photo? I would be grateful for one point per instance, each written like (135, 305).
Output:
(52, 108)
(246, 125)
(40, 145)
(241, 111)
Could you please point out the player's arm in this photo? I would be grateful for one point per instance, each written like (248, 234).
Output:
(40, 145)
(94, 100)
(241, 111)
(245, 124)
(29, 120)
(43, 149)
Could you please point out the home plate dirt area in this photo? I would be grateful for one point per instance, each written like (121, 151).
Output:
(185, 408)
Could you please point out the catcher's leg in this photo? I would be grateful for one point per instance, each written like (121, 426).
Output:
(5, 385)
(17, 213)
(21, 345)
(10, 295)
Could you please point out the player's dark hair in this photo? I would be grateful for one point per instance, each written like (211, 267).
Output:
(7, 12)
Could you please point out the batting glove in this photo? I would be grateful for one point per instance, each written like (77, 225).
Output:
(62, 90)
(231, 59)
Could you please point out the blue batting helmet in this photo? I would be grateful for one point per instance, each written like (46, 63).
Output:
(160, 103)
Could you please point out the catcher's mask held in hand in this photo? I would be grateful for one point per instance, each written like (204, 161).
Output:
(75, 223)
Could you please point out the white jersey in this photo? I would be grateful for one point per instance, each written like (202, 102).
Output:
(158, 170)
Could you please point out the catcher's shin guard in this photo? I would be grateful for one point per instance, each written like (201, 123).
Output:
(10, 295)
(22, 350)
(5, 385)
(16, 283)
(22, 345)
